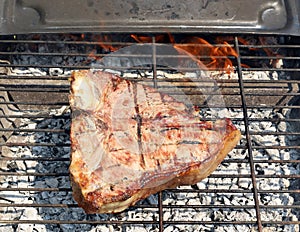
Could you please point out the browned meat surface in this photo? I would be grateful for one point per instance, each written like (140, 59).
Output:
(130, 141)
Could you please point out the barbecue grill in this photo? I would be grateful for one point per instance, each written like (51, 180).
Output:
(256, 188)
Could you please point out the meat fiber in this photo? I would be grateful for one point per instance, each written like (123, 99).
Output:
(130, 141)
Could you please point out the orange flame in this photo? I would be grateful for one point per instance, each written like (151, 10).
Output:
(148, 39)
(274, 61)
(104, 42)
(214, 57)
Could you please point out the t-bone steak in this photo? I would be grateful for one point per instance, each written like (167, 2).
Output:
(130, 141)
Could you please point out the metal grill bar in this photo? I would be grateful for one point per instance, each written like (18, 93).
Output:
(149, 206)
(276, 147)
(139, 68)
(212, 175)
(215, 191)
(53, 159)
(248, 138)
(155, 206)
(143, 79)
(247, 83)
(46, 116)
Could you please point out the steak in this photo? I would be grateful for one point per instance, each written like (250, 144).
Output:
(129, 141)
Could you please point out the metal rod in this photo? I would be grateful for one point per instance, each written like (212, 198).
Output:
(65, 78)
(35, 130)
(47, 116)
(277, 147)
(240, 176)
(31, 144)
(141, 222)
(248, 138)
(224, 207)
(72, 67)
(160, 213)
(215, 191)
(43, 78)
(231, 191)
(33, 174)
(154, 71)
(40, 159)
(154, 65)
(34, 103)
(114, 222)
(57, 159)
(37, 116)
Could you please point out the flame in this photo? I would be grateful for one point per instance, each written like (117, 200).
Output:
(148, 39)
(217, 56)
(274, 62)
(214, 57)
(104, 42)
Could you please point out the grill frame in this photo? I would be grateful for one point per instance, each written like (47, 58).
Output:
(31, 16)
(159, 208)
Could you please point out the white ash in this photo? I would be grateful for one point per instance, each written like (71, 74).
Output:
(250, 75)
(224, 203)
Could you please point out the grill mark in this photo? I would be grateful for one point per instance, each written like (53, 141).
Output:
(128, 86)
(147, 97)
(138, 119)
(161, 97)
(101, 125)
(169, 129)
(190, 142)
(115, 82)
(183, 125)
(116, 150)
(158, 165)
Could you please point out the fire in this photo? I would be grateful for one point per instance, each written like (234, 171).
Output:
(218, 54)
(104, 42)
(250, 42)
(147, 39)
(214, 57)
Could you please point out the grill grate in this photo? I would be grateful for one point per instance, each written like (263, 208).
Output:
(263, 100)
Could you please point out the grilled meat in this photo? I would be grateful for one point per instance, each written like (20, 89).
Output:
(130, 141)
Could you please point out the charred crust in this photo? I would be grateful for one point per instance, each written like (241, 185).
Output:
(76, 113)
(88, 206)
(101, 125)
(115, 82)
